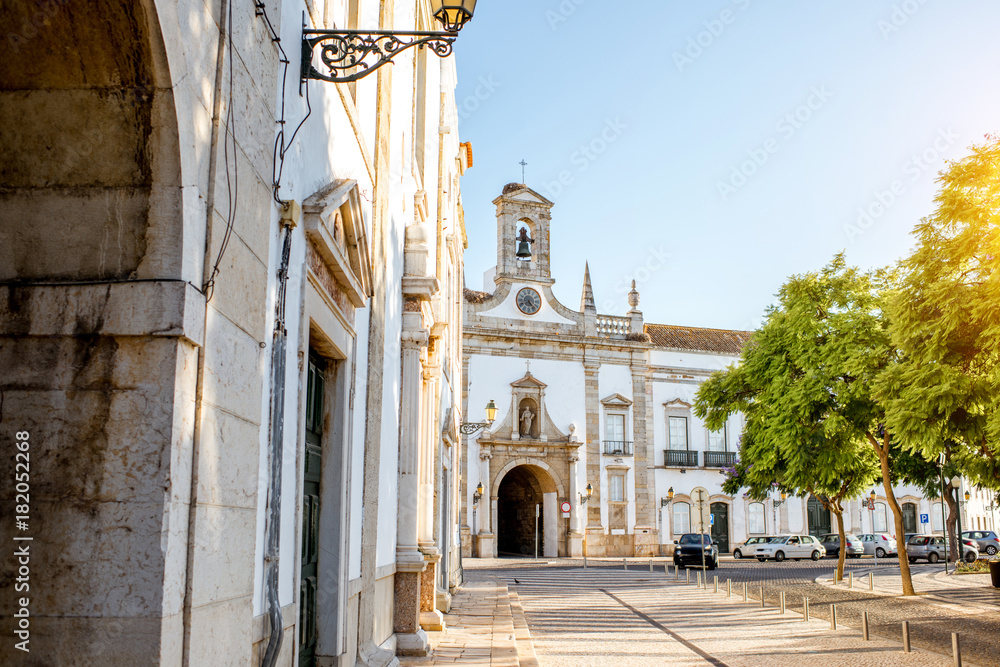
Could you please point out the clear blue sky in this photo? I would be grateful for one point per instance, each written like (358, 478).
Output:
(655, 112)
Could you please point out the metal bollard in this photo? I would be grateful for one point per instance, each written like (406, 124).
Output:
(716, 584)
(584, 562)
(864, 625)
(833, 617)
(761, 597)
(782, 596)
(625, 563)
(850, 578)
(744, 591)
(698, 577)
(906, 636)
(805, 609)
(677, 572)
(687, 575)
(871, 581)
(650, 564)
(729, 588)
(956, 649)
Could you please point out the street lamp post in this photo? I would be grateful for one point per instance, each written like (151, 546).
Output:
(468, 428)
(944, 523)
(775, 504)
(665, 502)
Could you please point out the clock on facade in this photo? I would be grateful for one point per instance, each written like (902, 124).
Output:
(528, 301)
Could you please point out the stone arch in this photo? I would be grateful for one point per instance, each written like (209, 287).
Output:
(531, 482)
(92, 237)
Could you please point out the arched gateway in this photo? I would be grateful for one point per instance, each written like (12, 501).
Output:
(518, 489)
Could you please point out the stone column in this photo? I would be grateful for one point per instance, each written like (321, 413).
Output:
(574, 540)
(595, 531)
(430, 617)
(486, 538)
(410, 638)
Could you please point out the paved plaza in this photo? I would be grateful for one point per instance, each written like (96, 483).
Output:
(556, 613)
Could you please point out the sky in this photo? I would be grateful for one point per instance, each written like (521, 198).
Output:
(709, 150)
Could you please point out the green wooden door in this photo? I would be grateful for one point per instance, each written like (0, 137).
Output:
(310, 513)
(720, 526)
(819, 518)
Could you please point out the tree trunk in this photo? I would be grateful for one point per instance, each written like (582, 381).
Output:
(950, 527)
(842, 554)
(897, 512)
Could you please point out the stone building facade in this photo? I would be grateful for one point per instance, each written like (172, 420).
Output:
(229, 329)
(601, 402)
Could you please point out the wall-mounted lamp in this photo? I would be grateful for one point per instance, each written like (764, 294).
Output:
(872, 495)
(584, 497)
(778, 503)
(478, 494)
(670, 496)
(468, 428)
(344, 54)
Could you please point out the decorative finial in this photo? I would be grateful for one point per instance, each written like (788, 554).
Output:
(633, 298)
(523, 165)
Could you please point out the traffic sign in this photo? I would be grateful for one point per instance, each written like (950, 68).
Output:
(711, 520)
(925, 518)
(871, 504)
(566, 506)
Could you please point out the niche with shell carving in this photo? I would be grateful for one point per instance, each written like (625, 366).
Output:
(528, 423)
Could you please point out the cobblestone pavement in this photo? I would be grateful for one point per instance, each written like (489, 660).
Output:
(568, 603)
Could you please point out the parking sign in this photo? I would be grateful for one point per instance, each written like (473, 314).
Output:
(925, 518)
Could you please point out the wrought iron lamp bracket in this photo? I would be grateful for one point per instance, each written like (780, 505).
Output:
(468, 428)
(348, 55)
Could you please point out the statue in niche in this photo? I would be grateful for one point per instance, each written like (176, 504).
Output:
(527, 416)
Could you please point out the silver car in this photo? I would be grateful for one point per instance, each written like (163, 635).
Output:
(932, 548)
(986, 539)
(879, 544)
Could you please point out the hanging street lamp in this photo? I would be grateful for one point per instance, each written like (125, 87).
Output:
(468, 428)
(349, 55)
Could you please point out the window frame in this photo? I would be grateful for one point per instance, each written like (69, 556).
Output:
(673, 517)
(751, 520)
(687, 433)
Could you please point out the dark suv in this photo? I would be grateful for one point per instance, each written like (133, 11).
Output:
(689, 549)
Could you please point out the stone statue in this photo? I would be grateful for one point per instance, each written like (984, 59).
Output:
(527, 416)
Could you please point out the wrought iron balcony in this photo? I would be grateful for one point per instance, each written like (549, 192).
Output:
(618, 447)
(719, 459)
(680, 458)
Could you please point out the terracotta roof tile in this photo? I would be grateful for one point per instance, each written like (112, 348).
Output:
(693, 338)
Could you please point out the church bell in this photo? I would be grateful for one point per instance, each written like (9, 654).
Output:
(523, 250)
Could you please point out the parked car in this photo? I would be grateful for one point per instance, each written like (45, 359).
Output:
(746, 550)
(688, 551)
(986, 540)
(879, 544)
(789, 546)
(854, 547)
(932, 548)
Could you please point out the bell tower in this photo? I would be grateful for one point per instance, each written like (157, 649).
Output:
(523, 218)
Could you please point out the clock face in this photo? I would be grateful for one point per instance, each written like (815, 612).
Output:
(528, 301)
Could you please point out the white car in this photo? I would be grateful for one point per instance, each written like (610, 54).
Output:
(879, 544)
(790, 546)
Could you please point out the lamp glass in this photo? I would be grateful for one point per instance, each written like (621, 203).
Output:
(670, 493)
(956, 481)
(590, 490)
(872, 495)
(967, 496)
(453, 14)
(491, 411)
(783, 496)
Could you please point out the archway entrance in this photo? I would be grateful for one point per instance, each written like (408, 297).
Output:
(819, 517)
(523, 492)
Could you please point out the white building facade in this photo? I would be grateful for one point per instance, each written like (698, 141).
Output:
(603, 402)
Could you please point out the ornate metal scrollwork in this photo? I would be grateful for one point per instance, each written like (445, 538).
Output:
(348, 55)
(468, 428)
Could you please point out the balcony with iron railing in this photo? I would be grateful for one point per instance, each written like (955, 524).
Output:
(618, 447)
(719, 459)
(680, 458)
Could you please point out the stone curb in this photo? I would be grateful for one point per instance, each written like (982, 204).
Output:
(522, 634)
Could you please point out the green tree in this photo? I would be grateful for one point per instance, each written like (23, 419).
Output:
(944, 393)
(789, 443)
(804, 381)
